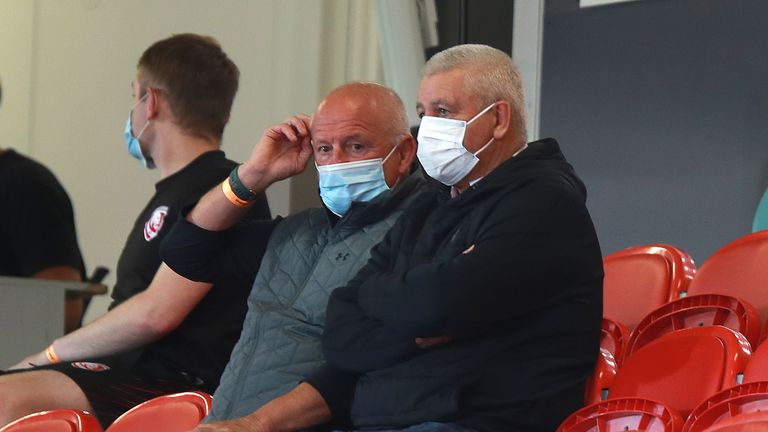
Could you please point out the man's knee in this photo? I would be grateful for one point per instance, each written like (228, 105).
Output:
(28, 392)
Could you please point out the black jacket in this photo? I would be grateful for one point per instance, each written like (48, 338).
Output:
(510, 269)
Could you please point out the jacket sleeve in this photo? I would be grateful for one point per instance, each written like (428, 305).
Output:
(533, 249)
(230, 256)
(353, 341)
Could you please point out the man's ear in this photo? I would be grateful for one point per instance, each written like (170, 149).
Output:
(406, 151)
(503, 119)
(153, 103)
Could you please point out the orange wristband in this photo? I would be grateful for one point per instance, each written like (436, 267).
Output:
(234, 199)
(50, 354)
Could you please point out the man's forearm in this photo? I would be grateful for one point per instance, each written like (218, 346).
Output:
(138, 321)
(301, 408)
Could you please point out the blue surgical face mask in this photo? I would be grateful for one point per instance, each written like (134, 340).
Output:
(134, 146)
(343, 183)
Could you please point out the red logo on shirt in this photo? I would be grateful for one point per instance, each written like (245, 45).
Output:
(155, 223)
(93, 367)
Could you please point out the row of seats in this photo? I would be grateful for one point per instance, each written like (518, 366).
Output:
(691, 380)
(179, 412)
(639, 280)
(677, 342)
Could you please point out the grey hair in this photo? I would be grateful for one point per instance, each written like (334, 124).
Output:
(490, 76)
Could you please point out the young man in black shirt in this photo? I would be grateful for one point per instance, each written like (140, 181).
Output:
(163, 333)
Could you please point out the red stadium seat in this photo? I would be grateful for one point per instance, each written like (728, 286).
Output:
(743, 404)
(179, 412)
(602, 377)
(757, 368)
(614, 338)
(738, 269)
(621, 415)
(63, 420)
(640, 279)
(683, 368)
(697, 311)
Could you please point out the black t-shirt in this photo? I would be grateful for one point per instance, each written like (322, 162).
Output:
(199, 348)
(37, 225)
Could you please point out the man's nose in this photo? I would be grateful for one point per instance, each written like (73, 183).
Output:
(340, 156)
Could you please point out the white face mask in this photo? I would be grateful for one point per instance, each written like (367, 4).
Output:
(441, 148)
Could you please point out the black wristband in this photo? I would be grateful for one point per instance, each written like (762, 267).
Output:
(239, 188)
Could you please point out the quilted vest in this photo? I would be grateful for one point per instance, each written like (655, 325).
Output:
(306, 259)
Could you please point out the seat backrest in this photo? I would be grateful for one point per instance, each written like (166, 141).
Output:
(63, 420)
(614, 337)
(697, 311)
(734, 402)
(757, 368)
(640, 279)
(178, 412)
(738, 269)
(601, 379)
(683, 368)
(625, 414)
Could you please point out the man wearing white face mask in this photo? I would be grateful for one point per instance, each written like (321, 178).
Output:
(163, 333)
(481, 308)
(364, 153)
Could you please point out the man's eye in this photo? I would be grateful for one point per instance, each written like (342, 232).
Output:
(443, 112)
(324, 149)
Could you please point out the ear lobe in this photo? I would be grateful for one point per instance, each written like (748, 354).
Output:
(503, 120)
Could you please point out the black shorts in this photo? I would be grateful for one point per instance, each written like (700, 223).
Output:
(113, 390)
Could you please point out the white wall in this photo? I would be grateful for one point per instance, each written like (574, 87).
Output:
(67, 66)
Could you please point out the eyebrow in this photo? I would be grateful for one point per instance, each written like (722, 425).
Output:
(435, 103)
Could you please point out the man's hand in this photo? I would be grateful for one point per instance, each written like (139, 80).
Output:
(242, 424)
(282, 152)
(429, 342)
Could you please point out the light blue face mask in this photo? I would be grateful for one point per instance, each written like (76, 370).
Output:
(344, 183)
(134, 146)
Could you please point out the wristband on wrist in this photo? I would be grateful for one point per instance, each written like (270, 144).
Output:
(50, 354)
(234, 199)
(238, 188)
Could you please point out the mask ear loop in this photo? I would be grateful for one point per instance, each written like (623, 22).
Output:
(481, 112)
(148, 120)
(474, 118)
(391, 152)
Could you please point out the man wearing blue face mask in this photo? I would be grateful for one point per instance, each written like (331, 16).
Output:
(481, 308)
(163, 333)
(364, 152)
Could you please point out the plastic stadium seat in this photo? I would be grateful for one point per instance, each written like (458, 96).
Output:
(757, 368)
(738, 269)
(621, 415)
(601, 379)
(614, 338)
(640, 279)
(179, 412)
(63, 420)
(740, 405)
(683, 368)
(751, 422)
(697, 311)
